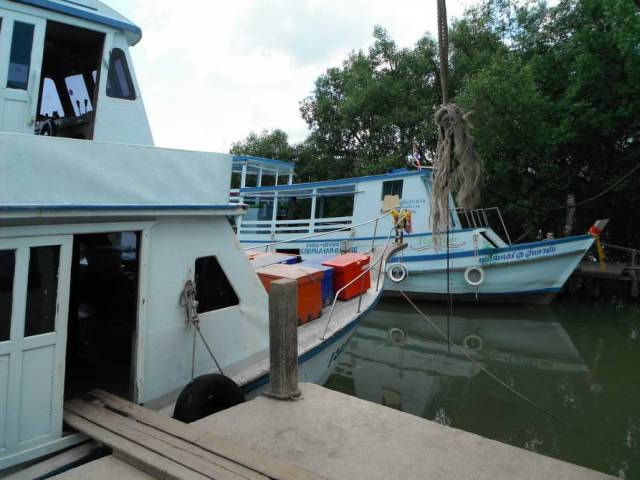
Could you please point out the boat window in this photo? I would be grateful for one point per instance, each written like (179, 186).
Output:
(251, 181)
(259, 208)
(7, 270)
(392, 187)
(213, 290)
(294, 208)
(51, 104)
(334, 206)
(78, 94)
(267, 180)
(42, 290)
(283, 179)
(236, 179)
(119, 82)
(20, 57)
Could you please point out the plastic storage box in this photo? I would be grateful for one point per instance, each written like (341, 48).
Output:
(327, 279)
(346, 268)
(309, 288)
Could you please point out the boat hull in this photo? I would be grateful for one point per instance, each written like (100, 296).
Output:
(527, 273)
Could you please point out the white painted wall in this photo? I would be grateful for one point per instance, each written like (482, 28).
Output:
(61, 171)
(232, 333)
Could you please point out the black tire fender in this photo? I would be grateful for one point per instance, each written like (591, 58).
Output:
(206, 395)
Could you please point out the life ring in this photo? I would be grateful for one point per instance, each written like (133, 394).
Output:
(206, 395)
(397, 337)
(474, 276)
(473, 342)
(397, 272)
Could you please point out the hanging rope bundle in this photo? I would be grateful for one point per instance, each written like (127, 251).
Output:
(457, 167)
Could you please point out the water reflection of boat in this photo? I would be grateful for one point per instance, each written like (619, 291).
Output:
(400, 360)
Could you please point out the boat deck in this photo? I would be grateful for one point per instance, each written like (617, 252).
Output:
(346, 315)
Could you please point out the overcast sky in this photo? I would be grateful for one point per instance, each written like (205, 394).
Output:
(212, 71)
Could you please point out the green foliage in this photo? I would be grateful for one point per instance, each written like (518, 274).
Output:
(268, 144)
(367, 114)
(557, 103)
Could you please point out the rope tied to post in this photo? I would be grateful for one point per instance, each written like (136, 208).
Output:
(457, 166)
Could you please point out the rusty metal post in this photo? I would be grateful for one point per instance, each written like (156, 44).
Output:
(283, 340)
(571, 215)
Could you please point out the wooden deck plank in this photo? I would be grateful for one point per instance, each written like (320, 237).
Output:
(120, 425)
(143, 459)
(270, 466)
(194, 450)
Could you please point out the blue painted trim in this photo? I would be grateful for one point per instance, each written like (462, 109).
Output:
(322, 239)
(345, 181)
(84, 15)
(494, 251)
(264, 379)
(66, 208)
(269, 161)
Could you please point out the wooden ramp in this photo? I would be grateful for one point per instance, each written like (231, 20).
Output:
(168, 449)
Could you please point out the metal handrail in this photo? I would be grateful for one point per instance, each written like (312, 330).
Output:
(348, 227)
(479, 218)
(371, 265)
(618, 247)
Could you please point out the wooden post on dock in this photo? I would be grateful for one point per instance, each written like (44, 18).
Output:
(283, 340)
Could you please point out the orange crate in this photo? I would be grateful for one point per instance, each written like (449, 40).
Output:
(309, 288)
(346, 268)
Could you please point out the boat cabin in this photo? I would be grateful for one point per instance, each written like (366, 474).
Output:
(282, 211)
(66, 71)
(94, 249)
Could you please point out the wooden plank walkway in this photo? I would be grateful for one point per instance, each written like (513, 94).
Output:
(168, 449)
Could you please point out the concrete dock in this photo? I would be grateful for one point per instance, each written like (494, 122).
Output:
(340, 437)
(335, 436)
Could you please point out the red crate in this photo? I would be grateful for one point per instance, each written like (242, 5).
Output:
(346, 268)
(309, 287)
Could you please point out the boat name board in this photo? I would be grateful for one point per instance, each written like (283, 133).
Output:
(517, 255)
(323, 248)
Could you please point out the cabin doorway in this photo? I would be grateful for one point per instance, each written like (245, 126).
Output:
(68, 93)
(103, 306)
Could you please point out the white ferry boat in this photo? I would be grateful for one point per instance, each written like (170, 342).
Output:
(476, 265)
(105, 240)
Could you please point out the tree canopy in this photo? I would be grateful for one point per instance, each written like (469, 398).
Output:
(555, 101)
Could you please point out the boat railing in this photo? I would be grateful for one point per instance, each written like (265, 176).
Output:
(322, 227)
(481, 218)
(316, 225)
(377, 263)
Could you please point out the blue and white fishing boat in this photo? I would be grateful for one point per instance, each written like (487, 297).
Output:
(475, 264)
(119, 269)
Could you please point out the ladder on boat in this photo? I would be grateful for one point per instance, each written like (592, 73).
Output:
(168, 449)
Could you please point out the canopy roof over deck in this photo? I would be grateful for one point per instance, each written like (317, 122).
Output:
(257, 165)
(341, 186)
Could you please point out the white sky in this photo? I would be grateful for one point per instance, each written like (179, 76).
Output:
(211, 71)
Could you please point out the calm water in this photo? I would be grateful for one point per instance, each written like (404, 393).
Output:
(579, 359)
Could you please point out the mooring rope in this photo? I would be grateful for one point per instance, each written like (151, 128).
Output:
(579, 204)
(482, 367)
